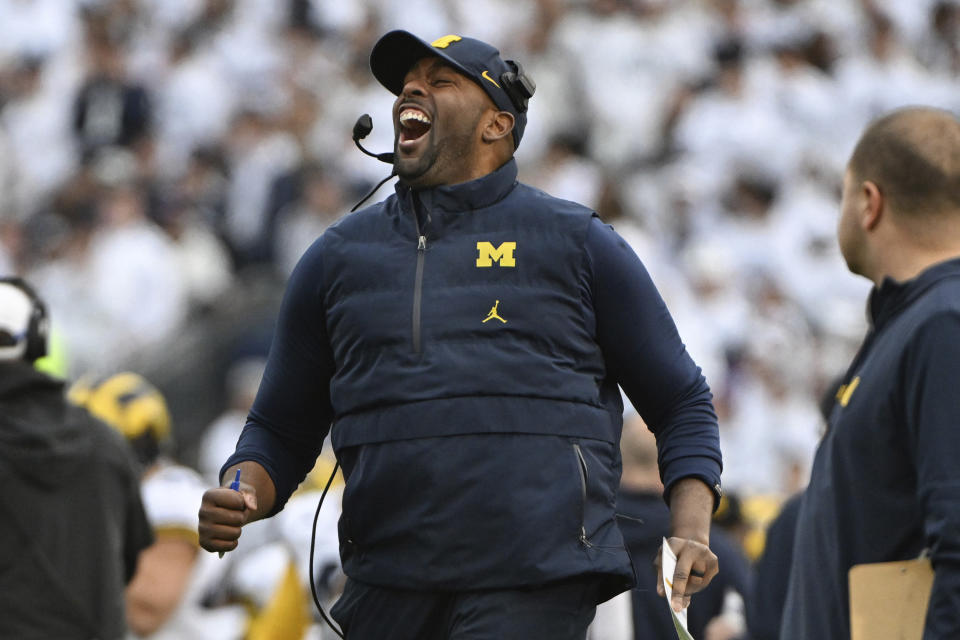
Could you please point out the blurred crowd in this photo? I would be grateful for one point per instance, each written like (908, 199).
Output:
(164, 163)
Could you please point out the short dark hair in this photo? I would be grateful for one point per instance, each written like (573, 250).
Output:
(913, 156)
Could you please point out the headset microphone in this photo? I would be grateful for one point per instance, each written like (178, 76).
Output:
(361, 130)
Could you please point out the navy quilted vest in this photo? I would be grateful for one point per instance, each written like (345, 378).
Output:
(469, 318)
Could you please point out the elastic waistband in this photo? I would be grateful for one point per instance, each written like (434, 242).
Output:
(476, 414)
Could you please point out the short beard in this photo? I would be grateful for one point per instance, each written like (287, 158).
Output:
(409, 173)
(440, 163)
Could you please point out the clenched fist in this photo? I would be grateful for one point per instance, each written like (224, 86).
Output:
(223, 512)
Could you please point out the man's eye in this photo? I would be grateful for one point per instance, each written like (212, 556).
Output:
(437, 82)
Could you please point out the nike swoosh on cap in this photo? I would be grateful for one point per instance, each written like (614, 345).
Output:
(486, 75)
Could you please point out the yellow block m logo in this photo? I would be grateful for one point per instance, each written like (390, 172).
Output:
(445, 41)
(488, 254)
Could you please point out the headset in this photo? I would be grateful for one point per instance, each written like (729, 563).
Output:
(518, 86)
(361, 130)
(38, 327)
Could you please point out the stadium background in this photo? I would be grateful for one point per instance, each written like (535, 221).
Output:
(163, 164)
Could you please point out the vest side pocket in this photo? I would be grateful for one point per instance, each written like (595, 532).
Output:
(584, 473)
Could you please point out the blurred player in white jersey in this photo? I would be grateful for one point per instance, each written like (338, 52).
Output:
(164, 601)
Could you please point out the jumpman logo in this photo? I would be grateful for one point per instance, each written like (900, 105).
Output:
(493, 314)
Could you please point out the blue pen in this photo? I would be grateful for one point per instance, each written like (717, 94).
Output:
(235, 485)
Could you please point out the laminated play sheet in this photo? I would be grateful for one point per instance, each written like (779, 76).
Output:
(668, 563)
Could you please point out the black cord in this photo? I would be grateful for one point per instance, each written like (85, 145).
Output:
(313, 542)
(372, 191)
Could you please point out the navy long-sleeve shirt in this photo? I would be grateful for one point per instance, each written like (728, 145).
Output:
(885, 482)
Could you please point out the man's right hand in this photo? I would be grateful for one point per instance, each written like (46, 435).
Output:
(223, 512)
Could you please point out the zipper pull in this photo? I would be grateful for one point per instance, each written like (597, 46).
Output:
(422, 243)
(583, 538)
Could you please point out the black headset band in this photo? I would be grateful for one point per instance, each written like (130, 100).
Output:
(37, 328)
(518, 86)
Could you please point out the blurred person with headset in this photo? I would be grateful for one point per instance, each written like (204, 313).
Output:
(164, 600)
(466, 338)
(74, 523)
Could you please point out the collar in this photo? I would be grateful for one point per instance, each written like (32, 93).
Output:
(17, 375)
(891, 296)
(475, 194)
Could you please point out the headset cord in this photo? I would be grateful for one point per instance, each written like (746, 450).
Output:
(313, 541)
(373, 191)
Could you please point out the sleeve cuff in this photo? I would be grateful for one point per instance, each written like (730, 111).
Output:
(709, 477)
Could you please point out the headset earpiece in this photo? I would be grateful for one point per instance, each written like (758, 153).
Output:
(39, 333)
(38, 328)
(519, 86)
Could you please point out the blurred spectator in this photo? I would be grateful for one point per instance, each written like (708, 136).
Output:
(772, 427)
(8, 173)
(74, 523)
(134, 296)
(132, 273)
(205, 268)
(36, 28)
(204, 186)
(940, 52)
(195, 101)
(320, 202)
(35, 121)
(802, 89)
(561, 105)
(883, 74)
(771, 571)
(731, 118)
(569, 173)
(220, 437)
(109, 109)
(258, 154)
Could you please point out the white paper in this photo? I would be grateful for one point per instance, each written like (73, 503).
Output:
(668, 564)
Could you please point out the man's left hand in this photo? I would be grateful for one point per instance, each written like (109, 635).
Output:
(696, 567)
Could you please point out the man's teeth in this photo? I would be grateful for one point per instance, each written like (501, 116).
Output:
(412, 114)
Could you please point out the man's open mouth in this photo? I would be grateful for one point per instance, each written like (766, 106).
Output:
(414, 125)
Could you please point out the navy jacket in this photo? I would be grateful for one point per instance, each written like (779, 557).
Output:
(73, 523)
(459, 342)
(885, 482)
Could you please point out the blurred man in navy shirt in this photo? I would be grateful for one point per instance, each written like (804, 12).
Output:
(885, 483)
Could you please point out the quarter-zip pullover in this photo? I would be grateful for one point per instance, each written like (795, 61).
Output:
(487, 455)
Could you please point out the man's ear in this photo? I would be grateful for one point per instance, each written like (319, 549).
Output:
(874, 205)
(498, 127)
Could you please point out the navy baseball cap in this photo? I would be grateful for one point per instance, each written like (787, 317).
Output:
(397, 51)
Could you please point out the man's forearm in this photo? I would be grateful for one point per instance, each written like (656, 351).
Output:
(691, 508)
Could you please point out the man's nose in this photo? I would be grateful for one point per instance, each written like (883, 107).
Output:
(413, 87)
